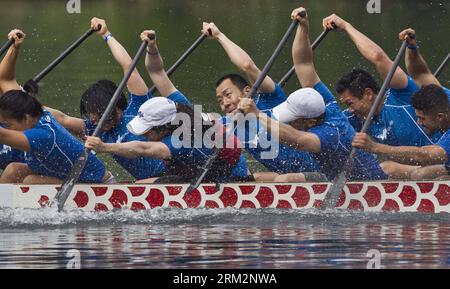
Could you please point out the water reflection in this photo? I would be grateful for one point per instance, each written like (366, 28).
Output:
(414, 245)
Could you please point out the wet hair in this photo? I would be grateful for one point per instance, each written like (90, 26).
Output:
(430, 99)
(16, 104)
(194, 119)
(236, 79)
(97, 97)
(356, 82)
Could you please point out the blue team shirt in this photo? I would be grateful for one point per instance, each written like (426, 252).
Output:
(9, 155)
(188, 157)
(54, 151)
(336, 135)
(257, 141)
(141, 167)
(396, 124)
(447, 91)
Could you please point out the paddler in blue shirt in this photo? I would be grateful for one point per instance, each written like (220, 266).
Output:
(231, 88)
(97, 97)
(157, 121)
(394, 122)
(428, 162)
(50, 150)
(9, 155)
(310, 119)
(419, 71)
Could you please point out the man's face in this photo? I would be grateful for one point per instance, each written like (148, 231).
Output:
(429, 122)
(358, 106)
(228, 96)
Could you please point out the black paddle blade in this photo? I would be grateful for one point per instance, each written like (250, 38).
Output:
(67, 187)
(204, 170)
(31, 87)
(332, 196)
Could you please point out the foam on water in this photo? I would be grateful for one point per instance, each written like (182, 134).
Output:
(49, 217)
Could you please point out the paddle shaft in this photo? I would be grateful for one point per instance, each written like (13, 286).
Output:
(288, 75)
(209, 162)
(339, 182)
(64, 54)
(442, 66)
(78, 167)
(6, 46)
(182, 58)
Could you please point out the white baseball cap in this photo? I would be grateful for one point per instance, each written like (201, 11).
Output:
(156, 111)
(302, 103)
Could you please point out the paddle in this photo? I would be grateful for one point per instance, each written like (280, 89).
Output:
(209, 162)
(31, 86)
(441, 67)
(8, 44)
(340, 180)
(72, 178)
(287, 76)
(182, 58)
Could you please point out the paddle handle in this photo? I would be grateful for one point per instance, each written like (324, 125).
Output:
(182, 58)
(8, 44)
(441, 67)
(275, 54)
(64, 54)
(288, 75)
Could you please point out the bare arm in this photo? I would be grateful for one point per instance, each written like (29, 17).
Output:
(415, 64)
(155, 66)
(410, 155)
(302, 54)
(369, 50)
(133, 149)
(135, 84)
(76, 126)
(424, 156)
(8, 64)
(239, 58)
(14, 139)
(288, 135)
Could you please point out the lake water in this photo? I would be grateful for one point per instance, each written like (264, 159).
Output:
(227, 238)
(173, 238)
